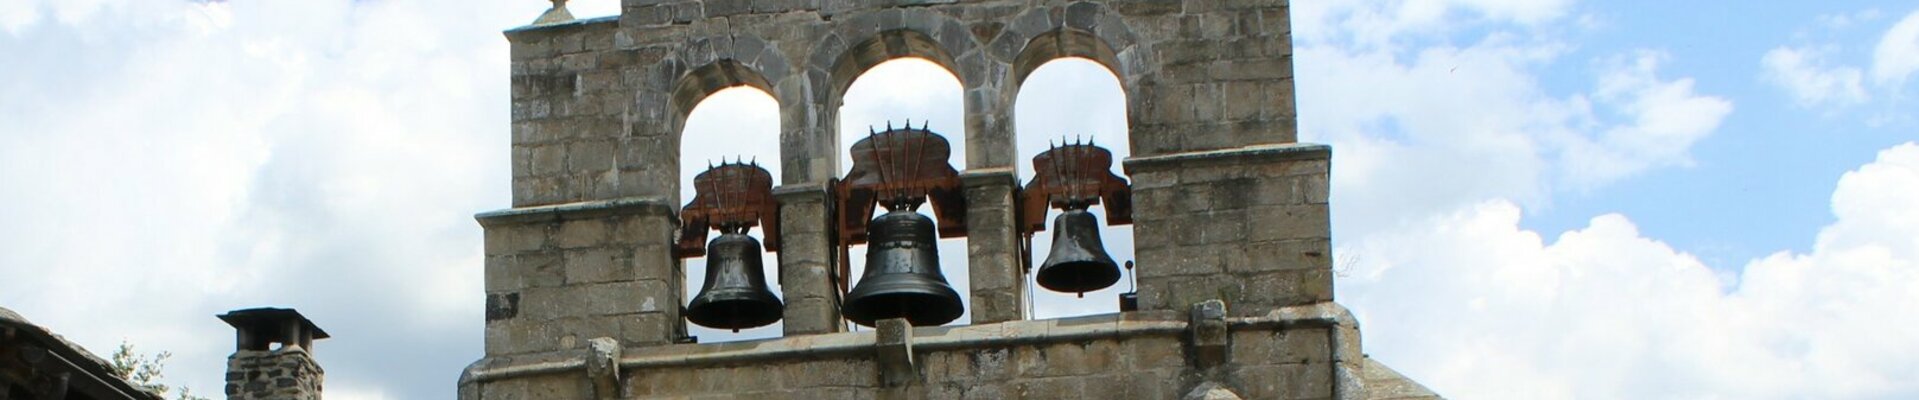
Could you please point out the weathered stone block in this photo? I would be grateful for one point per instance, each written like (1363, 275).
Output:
(646, 329)
(549, 303)
(1133, 385)
(1287, 381)
(1289, 287)
(597, 265)
(1290, 346)
(581, 233)
(996, 305)
(847, 373)
(1313, 253)
(809, 316)
(512, 239)
(1053, 388)
(627, 297)
(650, 262)
(556, 387)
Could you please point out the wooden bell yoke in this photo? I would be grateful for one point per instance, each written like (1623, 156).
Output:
(732, 197)
(1074, 177)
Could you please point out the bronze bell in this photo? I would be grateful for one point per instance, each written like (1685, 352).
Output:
(1078, 262)
(902, 278)
(735, 296)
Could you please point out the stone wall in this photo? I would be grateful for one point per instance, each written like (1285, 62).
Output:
(558, 276)
(598, 106)
(1231, 216)
(288, 373)
(1307, 352)
(1249, 226)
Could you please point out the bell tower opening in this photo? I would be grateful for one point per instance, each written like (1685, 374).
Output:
(1065, 101)
(734, 125)
(902, 93)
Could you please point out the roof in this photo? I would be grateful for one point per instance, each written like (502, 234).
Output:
(1383, 383)
(67, 355)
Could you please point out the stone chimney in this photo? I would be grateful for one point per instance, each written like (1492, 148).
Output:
(273, 355)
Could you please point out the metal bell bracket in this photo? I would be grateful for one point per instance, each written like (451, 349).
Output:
(900, 168)
(1074, 176)
(732, 198)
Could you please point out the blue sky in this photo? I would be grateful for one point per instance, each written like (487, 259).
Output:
(1763, 158)
(1533, 199)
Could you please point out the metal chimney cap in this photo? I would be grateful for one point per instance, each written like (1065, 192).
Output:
(269, 319)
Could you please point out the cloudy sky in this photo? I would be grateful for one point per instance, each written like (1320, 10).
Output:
(1533, 199)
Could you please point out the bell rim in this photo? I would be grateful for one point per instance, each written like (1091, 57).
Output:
(1109, 276)
(716, 322)
(950, 308)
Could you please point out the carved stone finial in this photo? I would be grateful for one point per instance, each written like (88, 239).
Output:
(557, 14)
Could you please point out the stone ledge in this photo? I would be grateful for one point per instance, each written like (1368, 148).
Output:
(989, 176)
(925, 339)
(556, 27)
(803, 191)
(1276, 152)
(575, 211)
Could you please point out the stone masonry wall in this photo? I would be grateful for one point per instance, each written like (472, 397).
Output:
(1141, 356)
(558, 276)
(285, 374)
(1248, 226)
(598, 105)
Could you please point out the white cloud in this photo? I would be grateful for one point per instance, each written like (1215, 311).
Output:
(1804, 73)
(1665, 118)
(1847, 20)
(1382, 22)
(1480, 308)
(1481, 111)
(17, 15)
(167, 161)
(1897, 55)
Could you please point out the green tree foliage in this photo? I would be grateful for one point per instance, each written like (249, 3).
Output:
(145, 370)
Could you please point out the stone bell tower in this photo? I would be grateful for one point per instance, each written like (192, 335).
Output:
(1235, 297)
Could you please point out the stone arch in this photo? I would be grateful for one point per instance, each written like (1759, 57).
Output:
(846, 53)
(677, 101)
(857, 41)
(1063, 43)
(684, 76)
(1080, 30)
(882, 47)
(704, 81)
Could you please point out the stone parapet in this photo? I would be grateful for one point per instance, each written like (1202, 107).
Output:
(1290, 353)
